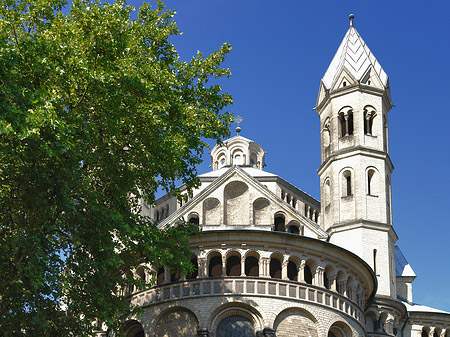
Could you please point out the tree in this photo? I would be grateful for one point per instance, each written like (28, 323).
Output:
(97, 113)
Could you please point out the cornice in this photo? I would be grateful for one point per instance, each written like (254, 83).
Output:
(354, 151)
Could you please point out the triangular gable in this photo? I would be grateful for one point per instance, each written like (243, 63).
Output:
(371, 78)
(226, 178)
(344, 79)
(323, 92)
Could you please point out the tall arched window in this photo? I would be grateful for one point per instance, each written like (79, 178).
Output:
(346, 121)
(327, 192)
(251, 266)
(307, 274)
(194, 273)
(347, 183)
(275, 268)
(292, 271)
(233, 266)
(279, 224)
(160, 276)
(369, 115)
(326, 133)
(370, 182)
(215, 266)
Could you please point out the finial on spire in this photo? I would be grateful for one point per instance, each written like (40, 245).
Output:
(238, 119)
(351, 17)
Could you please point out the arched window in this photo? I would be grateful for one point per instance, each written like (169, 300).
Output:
(279, 224)
(370, 182)
(215, 266)
(307, 274)
(233, 266)
(292, 271)
(326, 281)
(253, 160)
(327, 192)
(160, 276)
(221, 162)
(140, 272)
(238, 158)
(326, 133)
(294, 229)
(275, 268)
(347, 183)
(194, 273)
(346, 122)
(251, 266)
(174, 276)
(194, 219)
(369, 115)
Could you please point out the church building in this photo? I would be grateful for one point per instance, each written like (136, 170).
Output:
(274, 261)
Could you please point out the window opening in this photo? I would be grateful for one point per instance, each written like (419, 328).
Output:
(275, 268)
(233, 266)
(194, 273)
(292, 271)
(251, 266)
(307, 274)
(215, 266)
(160, 276)
(279, 224)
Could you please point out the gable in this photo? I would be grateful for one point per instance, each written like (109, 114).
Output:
(236, 200)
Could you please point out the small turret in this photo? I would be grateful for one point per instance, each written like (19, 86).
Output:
(237, 150)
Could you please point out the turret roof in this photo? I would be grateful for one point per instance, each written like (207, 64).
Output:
(355, 56)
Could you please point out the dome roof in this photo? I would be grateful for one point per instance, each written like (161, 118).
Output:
(237, 150)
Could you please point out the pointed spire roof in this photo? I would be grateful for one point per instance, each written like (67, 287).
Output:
(355, 56)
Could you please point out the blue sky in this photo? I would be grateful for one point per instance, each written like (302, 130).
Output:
(281, 50)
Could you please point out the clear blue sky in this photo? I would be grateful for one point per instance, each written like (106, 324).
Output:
(281, 50)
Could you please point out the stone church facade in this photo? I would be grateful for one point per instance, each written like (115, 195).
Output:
(272, 260)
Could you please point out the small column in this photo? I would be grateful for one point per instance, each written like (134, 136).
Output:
(346, 123)
(224, 266)
(243, 266)
(166, 275)
(264, 267)
(284, 273)
(318, 276)
(301, 271)
(332, 281)
(202, 272)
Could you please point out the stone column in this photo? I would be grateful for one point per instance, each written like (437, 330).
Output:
(332, 281)
(243, 266)
(264, 267)
(301, 271)
(166, 275)
(346, 123)
(284, 274)
(224, 266)
(318, 276)
(202, 267)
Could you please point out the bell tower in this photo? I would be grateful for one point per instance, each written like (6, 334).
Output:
(355, 171)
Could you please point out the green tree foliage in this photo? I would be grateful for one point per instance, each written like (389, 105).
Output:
(96, 113)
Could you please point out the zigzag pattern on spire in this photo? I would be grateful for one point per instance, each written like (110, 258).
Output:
(356, 57)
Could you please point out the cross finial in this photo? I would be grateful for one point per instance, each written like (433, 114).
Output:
(238, 120)
(351, 17)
